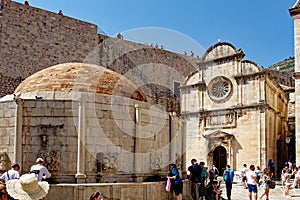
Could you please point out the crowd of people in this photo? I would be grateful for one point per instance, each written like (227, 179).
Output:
(205, 183)
(32, 185)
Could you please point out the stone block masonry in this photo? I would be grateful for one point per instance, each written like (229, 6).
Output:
(32, 39)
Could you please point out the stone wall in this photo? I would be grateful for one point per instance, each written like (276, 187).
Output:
(116, 191)
(32, 39)
(7, 134)
(122, 140)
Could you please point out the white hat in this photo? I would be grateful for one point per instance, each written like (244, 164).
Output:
(27, 188)
(39, 160)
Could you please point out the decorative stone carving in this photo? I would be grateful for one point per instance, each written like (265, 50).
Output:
(52, 160)
(156, 160)
(220, 89)
(4, 161)
(225, 120)
(109, 161)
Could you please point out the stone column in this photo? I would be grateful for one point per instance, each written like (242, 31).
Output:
(295, 13)
(183, 151)
(137, 145)
(18, 131)
(172, 140)
(80, 175)
(262, 138)
(229, 160)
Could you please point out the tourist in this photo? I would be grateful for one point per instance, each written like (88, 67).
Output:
(177, 184)
(266, 180)
(96, 196)
(229, 181)
(40, 171)
(296, 182)
(289, 165)
(26, 2)
(251, 182)
(285, 178)
(27, 187)
(243, 173)
(13, 173)
(195, 178)
(271, 166)
(204, 175)
(213, 191)
(213, 173)
(257, 171)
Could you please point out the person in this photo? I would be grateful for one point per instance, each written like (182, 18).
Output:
(26, 2)
(60, 12)
(257, 171)
(213, 191)
(195, 178)
(297, 177)
(285, 178)
(251, 182)
(3, 192)
(27, 187)
(243, 173)
(213, 173)
(40, 171)
(289, 165)
(266, 180)
(177, 184)
(96, 196)
(271, 166)
(204, 174)
(229, 182)
(13, 173)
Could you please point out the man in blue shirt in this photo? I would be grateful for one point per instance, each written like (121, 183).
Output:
(230, 174)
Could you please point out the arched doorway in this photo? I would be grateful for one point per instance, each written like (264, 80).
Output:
(220, 159)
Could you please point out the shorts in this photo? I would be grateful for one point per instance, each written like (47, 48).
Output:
(252, 188)
(177, 188)
(244, 178)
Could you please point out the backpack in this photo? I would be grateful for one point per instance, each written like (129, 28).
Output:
(197, 173)
(203, 173)
(226, 177)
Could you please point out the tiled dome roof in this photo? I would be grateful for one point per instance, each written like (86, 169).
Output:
(80, 77)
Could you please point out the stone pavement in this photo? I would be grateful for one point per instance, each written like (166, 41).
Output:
(239, 193)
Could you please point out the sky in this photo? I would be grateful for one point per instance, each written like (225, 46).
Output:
(263, 29)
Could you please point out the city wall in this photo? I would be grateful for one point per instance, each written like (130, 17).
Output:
(32, 39)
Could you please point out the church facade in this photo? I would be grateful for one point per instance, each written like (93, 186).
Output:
(233, 111)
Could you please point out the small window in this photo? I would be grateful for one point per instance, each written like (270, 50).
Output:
(176, 90)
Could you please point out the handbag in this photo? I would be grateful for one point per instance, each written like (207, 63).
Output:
(272, 184)
(168, 185)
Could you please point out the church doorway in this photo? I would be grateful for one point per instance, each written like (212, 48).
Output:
(220, 159)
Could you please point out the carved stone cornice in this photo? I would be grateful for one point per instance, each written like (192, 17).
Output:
(260, 74)
(296, 75)
(238, 56)
(294, 11)
(200, 84)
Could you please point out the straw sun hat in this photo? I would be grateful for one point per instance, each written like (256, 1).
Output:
(27, 188)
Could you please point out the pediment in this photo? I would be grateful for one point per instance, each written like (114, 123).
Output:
(218, 134)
